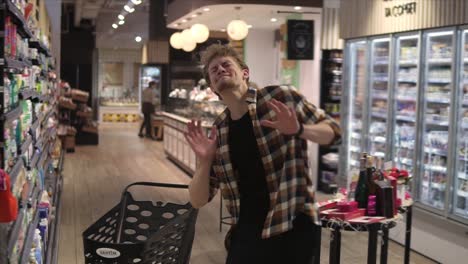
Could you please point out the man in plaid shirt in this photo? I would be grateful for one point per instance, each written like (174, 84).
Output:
(256, 153)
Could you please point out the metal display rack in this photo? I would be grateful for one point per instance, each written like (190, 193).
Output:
(34, 152)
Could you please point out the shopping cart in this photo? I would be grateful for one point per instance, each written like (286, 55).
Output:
(142, 232)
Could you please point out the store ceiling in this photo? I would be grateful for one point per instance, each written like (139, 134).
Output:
(256, 15)
(103, 13)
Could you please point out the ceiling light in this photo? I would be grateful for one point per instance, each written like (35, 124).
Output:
(184, 20)
(273, 19)
(175, 25)
(297, 8)
(176, 40)
(136, 2)
(121, 17)
(129, 9)
(115, 25)
(194, 15)
(206, 9)
(138, 39)
(237, 29)
(249, 26)
(121, 22)
(200, 33)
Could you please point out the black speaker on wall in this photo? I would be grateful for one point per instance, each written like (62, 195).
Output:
(300, 39)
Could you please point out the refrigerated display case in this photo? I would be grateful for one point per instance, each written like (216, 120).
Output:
(405, 102)
(460, 181)
(416, 113)
(436, 89)
(379, 97)
(352, 112)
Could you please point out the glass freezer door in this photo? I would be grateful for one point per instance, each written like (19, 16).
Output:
(356, 100)
(437, 88)
(405, 101)
(460, 205)
(378, 94)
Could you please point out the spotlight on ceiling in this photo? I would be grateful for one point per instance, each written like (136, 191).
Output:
(136, 2)
(138, 39)
(115, 25)
(121, 22)
(121, 17)
(297, 8)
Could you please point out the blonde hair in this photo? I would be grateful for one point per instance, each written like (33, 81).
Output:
(217, 50)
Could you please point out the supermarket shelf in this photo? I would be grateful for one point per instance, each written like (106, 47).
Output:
(354, 163)
(438, 100)
(34, 159)
(27, 93)
(406, 144)
(380, 97)
(381, 79)
(441, 81)
(335, 98)
(462, 175)
(34, 43)
(405, 118)
(15, 64)
(12, 115)
(405, 161)
(14, 233)
(18, 16)
(439, 186)
(435, 151)
(334, 72)
(378, 154)
(354, 149)
(462, 193)
(379, 139)
(52, 249)
(355, 135)
(408, 63)
(406, 98)
(15, 170)
(404, 80)
(441, 61)
(436, 168)
(437, 123)
(29, 238)
(25, 145)
(379, 115)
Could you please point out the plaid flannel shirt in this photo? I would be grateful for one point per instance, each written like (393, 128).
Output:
(284, 159)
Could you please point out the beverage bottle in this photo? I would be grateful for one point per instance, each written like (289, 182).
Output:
(362, 192)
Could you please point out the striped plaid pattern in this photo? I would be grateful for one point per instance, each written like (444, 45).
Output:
(284, 160)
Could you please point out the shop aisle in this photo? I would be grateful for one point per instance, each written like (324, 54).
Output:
(94, 177)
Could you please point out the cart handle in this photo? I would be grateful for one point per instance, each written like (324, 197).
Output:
(123, 201)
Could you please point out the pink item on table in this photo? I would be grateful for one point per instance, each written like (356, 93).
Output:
(348, 206)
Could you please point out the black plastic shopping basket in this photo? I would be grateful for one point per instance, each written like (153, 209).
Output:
(142, 232)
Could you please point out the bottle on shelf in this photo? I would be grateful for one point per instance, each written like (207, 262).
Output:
(362, 192)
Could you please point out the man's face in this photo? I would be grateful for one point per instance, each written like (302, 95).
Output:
(225, 74)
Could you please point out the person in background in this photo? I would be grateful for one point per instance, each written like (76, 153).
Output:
(256, 153)
(149, 100)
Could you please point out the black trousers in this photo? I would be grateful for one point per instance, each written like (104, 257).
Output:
(146, 124)
(296, 246)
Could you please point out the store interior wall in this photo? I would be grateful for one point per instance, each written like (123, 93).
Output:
(259, 47)
(77, 45)
(128, 57)
(54, 9)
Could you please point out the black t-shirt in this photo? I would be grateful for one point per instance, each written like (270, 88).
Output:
(245, 157)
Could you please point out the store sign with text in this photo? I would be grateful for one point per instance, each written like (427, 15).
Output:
(300, 39)
(400, 9)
